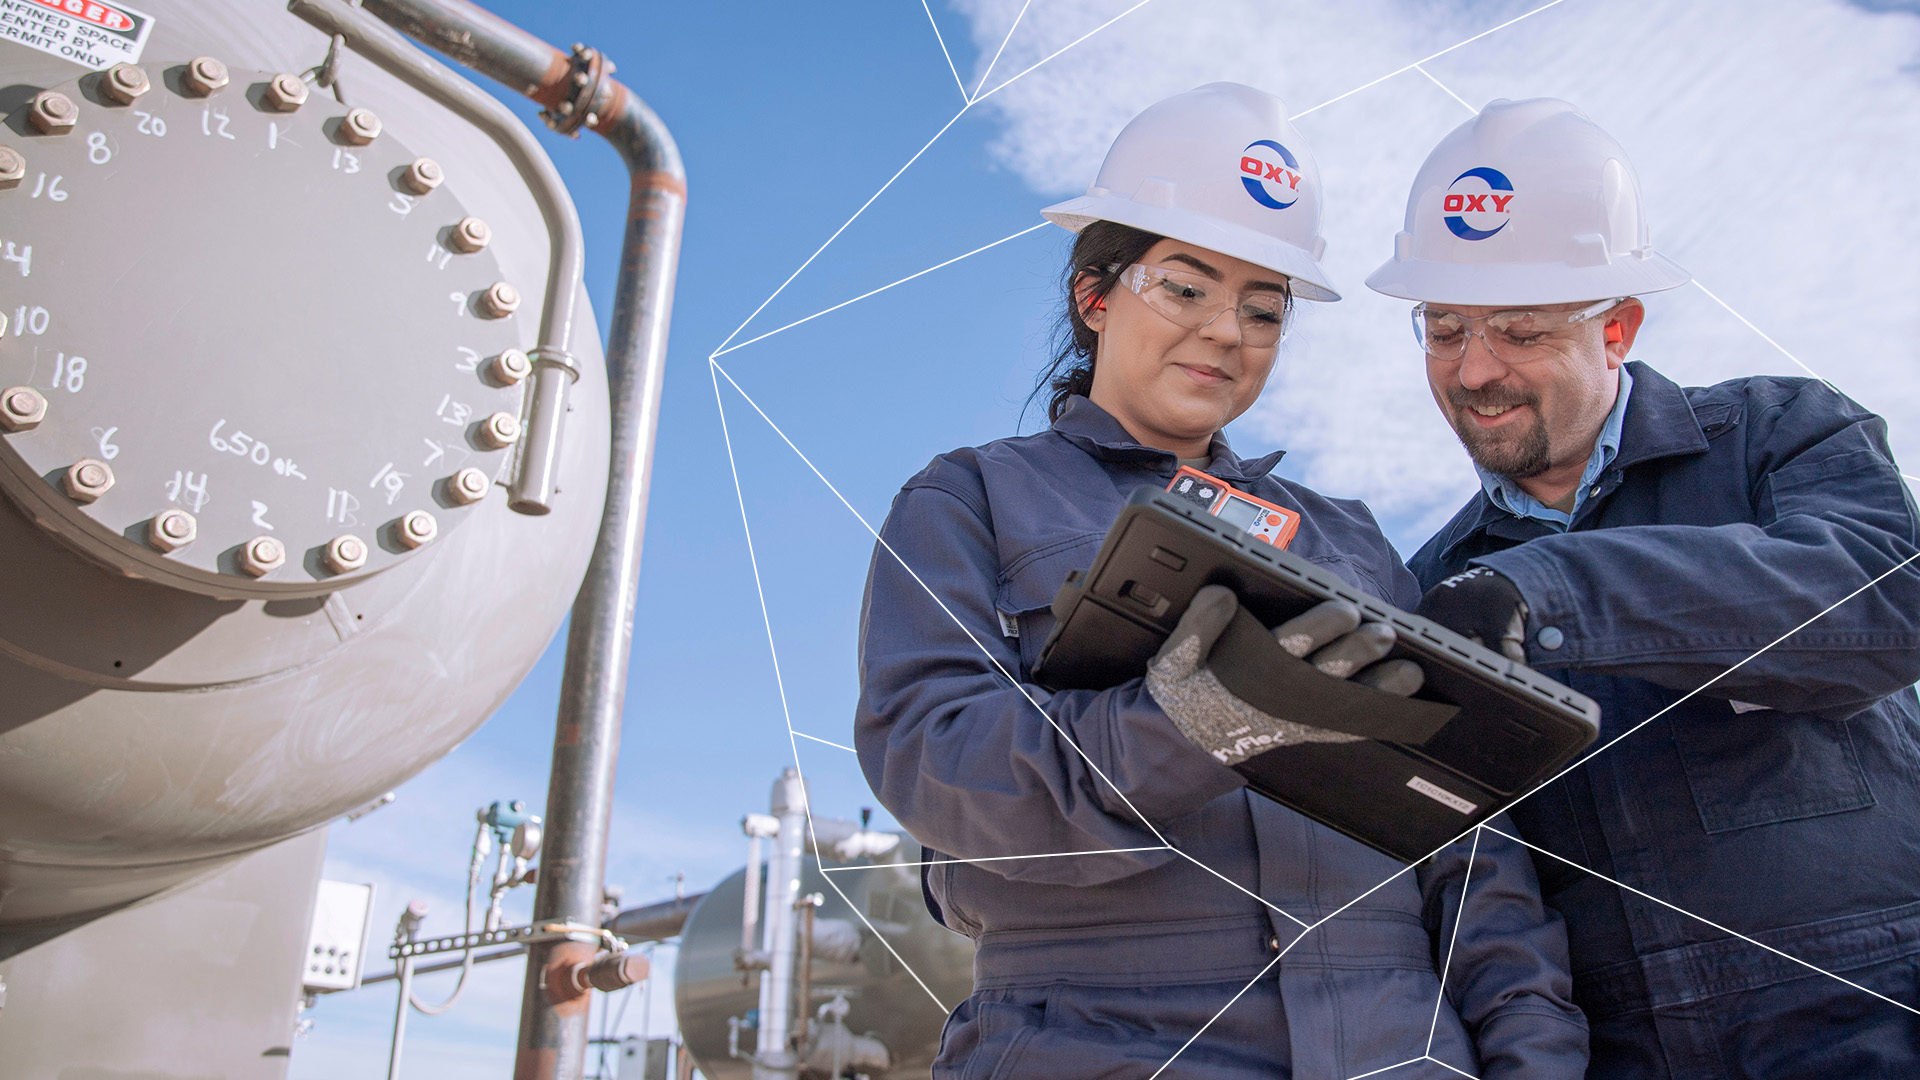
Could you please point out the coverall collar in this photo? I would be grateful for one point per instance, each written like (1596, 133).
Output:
(1659, 423)
(1094, 430)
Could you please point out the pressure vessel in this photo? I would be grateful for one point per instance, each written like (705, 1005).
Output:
(876, 948)
(268, 315)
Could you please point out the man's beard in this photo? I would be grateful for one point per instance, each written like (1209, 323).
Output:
(1519, 455)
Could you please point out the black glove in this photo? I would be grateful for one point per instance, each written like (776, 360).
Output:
(1482, 604)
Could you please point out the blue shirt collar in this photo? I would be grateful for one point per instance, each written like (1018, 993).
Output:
(1506, 495)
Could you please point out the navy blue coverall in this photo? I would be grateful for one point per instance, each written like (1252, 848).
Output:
(1104, 965)
(1731, 516)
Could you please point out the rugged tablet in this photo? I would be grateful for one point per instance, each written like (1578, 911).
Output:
(1480, 733)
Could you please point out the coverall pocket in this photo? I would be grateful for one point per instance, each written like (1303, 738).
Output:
(985, 1038)
(1027, 587)
(1763, 768)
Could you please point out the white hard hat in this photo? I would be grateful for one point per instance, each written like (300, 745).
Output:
(1527, 203)
(1219, 167)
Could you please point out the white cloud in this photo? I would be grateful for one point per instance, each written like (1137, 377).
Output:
(1775, 139)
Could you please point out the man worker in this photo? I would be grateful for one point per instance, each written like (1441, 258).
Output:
(1636, 539)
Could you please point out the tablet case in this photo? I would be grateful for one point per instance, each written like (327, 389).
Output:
(1481, 732)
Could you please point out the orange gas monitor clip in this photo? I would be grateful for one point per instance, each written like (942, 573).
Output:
(1274, 524)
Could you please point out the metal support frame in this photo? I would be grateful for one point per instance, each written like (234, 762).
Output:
(553, 1035)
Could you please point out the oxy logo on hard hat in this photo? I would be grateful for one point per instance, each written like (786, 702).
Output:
(1488, 208)
(1270, 174)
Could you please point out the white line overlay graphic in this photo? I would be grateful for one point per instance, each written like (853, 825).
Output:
(717, 372)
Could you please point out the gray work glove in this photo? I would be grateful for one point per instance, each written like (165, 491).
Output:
(1330, 636)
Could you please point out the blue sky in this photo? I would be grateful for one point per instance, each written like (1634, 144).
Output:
(1776, 142)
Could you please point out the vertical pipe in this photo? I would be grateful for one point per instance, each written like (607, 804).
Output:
(775, 1059)
(553, 1033)
(400, 1018)
(750, 902)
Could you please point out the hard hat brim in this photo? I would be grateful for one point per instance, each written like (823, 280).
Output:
(1302, 270)
(1522, 284)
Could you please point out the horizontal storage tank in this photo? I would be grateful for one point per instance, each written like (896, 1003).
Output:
(263, 379)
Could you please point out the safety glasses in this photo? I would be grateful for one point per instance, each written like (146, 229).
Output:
(1514, 337)
(1194, 301)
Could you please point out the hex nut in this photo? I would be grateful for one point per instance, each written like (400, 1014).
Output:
(359, 127)
(416, 529)
(509, 367)
(21, 408)
(469, 485)
(262, 555)
(13, 167)
(422, 176)
(344, 554)
(87, 480)
(469, 236)
(52, 113)
(500, 430)
(285, 93)
(499, 301)
(124, 82)
(203, 76)
(171, 530)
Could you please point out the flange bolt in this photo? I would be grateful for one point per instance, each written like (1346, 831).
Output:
(124, 82)
(171, 530)
(499, 301)
(21, 408)
(285, 93)
(344, 554)
(13, 167)
(262, 555)
(422, 176)
(500, 430)
(471, 235)
(87, 480)
(509, 367)
(52, 113)
(360, 127)
(469, 485)
(203, 76)
(417, 528)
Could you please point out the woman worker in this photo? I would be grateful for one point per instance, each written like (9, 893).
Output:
(1194, 242)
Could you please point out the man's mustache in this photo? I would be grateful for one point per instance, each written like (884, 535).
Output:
(1489, 397)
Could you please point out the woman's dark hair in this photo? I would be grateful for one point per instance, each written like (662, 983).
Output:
(1103, 249)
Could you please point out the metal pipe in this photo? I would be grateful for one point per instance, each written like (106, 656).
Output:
(654, 922)
(775, 1059)
(447, 965)
(531, 490)
(587, 734)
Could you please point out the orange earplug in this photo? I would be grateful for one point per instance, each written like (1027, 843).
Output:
(1615, 335)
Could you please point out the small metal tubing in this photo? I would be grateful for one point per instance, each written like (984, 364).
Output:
(285, 93)
(52, 113)
(122, 83)
(171, 530)
(87, 479)
(21, 408)
(203, 76)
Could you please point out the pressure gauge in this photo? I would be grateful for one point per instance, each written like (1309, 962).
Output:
(254, 345)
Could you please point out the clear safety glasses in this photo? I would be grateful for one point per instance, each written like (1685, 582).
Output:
(1514, 337)
(1194, 301)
